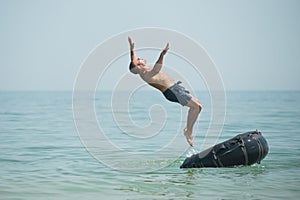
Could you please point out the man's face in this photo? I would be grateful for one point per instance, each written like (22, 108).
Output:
(141, 62)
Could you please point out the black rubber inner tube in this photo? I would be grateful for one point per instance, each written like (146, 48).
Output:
(242, 150)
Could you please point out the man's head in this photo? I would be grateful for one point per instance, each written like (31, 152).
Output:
(136, 66)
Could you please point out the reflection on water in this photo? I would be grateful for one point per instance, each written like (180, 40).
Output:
(192, 183)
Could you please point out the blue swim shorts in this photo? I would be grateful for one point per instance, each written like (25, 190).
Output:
(177, 93)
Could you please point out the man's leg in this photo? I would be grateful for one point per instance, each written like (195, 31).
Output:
(195, 109)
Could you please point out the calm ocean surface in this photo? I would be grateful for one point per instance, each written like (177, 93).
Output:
(42, 156)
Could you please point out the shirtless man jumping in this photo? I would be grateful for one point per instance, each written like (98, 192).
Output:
(165, 83)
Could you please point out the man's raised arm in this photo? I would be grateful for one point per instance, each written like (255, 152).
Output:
(158, 65)
(132, 54)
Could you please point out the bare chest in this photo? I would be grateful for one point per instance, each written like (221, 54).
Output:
(160, 80)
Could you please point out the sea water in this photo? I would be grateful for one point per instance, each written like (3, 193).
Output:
(43, 157)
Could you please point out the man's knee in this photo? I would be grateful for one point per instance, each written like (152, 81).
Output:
(197, 106)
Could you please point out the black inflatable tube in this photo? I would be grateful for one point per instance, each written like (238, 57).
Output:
(242, 150)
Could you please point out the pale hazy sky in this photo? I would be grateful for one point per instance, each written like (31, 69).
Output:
(255, 44)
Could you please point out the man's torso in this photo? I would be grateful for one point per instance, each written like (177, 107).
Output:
(160, 81)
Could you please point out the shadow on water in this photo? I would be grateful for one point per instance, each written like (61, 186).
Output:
(174, 183)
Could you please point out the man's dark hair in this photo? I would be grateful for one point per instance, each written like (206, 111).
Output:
(131, 66)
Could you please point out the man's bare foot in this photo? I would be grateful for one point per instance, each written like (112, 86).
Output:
(189, 137)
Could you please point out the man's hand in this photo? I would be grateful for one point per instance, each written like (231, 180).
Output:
(165, 50)
(131, 43)
(132, 54)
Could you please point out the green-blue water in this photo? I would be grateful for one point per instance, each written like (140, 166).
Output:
(42, 156)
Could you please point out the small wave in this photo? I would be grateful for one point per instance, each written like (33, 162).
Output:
(191, 151)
